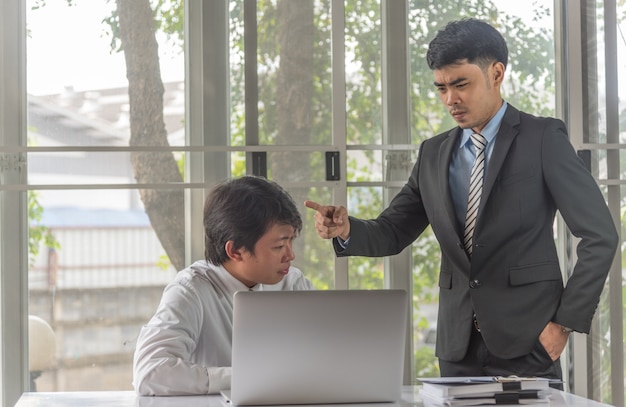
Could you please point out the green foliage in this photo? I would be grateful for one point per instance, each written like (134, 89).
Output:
(112, 21)
(163, 263)
(363, 40)
(365, 203)
(425, 362)
(37, 233)
(318, 262)
(180, 163)
(168, 19)
(37, 4)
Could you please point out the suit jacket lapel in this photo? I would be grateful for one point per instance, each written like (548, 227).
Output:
(445, 153)
(507, 133)
(457, 254)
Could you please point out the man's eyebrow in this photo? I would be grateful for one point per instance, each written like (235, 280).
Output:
(452, 83)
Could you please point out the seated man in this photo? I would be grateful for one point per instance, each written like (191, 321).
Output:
(250, 224)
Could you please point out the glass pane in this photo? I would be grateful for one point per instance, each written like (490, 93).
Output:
(365, 165)
(99, 258)
(98, 168)
(78, 92)
(96, 117)
(237, 61)
(365, 272)
(314, 256)
(293, 68)
(606, 127)
(363, 39)
(596, 78)
(529, 85)
(96, 275)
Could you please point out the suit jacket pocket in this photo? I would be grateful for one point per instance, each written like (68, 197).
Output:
(515, 177)
(445, 279)
(532, 273)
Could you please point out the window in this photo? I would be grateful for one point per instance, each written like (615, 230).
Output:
(106, 213)
(254, 87)
(599, 131)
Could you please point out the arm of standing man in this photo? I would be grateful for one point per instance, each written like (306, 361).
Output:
(582, 205)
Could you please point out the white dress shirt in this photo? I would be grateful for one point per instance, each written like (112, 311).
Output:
(186, 346)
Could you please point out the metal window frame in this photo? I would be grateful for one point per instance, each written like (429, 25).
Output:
(13, 205)
(576, 100)
(207, 131)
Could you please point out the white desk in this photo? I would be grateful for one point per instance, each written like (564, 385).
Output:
(410, 398)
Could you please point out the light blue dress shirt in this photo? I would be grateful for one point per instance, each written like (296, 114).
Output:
(462, 160)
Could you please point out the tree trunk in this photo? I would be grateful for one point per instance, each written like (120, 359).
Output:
(294, 96)
(165, 208)
(294, 89)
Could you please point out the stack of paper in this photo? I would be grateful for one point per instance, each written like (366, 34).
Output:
(470, 391)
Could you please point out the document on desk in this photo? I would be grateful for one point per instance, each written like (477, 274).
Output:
(464, 386)
(476, 401)
(456, 391)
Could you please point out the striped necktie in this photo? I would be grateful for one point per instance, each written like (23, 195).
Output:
(475, 189)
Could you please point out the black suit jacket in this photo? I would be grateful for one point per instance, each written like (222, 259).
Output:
(513, 282)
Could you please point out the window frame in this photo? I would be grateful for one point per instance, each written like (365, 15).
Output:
(13, 204)
(578, 103)
(209, 20)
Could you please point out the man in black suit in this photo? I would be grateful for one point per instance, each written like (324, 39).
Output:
(503, 308)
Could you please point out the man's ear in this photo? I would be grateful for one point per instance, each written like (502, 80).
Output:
(232, 252)
(498, 72)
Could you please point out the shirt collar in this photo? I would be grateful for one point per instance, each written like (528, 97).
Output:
(490, 130)
(233, 285)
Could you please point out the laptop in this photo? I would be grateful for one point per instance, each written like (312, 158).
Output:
(318, 347)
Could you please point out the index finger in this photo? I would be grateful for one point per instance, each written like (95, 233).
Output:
(313, 205)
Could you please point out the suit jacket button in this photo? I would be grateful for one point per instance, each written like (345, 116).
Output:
(475, 284)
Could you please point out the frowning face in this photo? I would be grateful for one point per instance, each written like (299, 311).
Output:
(471, 94)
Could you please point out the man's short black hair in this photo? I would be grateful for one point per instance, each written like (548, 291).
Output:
(468, 39)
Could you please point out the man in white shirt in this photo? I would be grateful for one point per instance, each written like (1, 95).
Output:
(250, 224)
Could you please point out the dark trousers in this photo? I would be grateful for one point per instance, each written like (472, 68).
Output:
(478, 361)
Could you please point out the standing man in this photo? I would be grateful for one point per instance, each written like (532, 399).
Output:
(503, 309)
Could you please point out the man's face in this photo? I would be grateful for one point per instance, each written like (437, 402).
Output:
(271, 259)
(471, 95)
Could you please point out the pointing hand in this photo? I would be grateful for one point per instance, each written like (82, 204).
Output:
(330, 221)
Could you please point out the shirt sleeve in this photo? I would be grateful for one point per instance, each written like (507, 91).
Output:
(343, 243)
(161, 364)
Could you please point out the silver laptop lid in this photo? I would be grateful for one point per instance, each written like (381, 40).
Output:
(311, 347)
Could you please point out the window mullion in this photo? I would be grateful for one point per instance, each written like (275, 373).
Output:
(13, 204)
